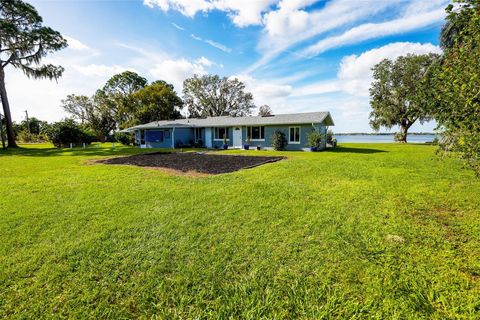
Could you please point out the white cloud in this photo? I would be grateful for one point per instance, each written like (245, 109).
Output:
(214, 44)
(205, 62)
(176, 71)
(265, 91)
(376, 30)
(291, 24)
(195, 37)
(355, 71)
(242, 13)
(100, 69)
(187, 7)
(76, 44)
(220, 46)
(355, 74)
(177, 26)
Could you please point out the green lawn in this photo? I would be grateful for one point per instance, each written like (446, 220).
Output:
(365, 231)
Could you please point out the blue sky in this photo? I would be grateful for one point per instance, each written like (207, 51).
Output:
(294, 55)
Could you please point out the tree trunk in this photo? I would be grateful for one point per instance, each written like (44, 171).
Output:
(6, 111)
(403, 133)
(2, 136)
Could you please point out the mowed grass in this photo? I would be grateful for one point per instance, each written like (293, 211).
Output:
(365, 231)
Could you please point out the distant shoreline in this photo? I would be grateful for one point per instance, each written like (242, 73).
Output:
(383, 134)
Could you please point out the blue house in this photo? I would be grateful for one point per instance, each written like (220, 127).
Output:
(209, 132)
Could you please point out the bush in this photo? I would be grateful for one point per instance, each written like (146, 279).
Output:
(27, 137)
(330, 137)
(279, 142)
(314, 139)
(125, 138)
(399, 137)
(63, 133)
(198, 143)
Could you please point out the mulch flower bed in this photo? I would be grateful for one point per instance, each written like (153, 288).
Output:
(207, 163)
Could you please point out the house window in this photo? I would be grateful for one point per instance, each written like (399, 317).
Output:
(154, 136)
(256, 133)
(294, 135)
(220, 133)
(198, 133)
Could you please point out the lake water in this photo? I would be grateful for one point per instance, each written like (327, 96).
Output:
(365, 138)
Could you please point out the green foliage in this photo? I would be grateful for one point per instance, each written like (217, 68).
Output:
(264, 111)
(29, 137)
(126, 100)
(452, 88)
(396, 90)
(279, 141)
(91, 113)
(329, 136)
(154, 102)
(314, 139)
(125, 138)
(116, 97)
(24, 41)
(340, 234)
(210, 96)
(64, 132)
(34, 126)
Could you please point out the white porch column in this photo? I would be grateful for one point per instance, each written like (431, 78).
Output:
(173, 138)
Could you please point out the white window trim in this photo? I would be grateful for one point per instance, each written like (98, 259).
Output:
(214, 131)
(299, 135)
(255, 140)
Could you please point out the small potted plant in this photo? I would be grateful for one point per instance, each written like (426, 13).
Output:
(314, 140)
(225, 145)
(246, 146)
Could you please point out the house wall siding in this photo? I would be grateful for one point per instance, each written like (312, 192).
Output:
(186, 136)
(305, 130)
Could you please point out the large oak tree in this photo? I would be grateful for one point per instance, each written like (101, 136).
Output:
(24, 41)
(211, 95)
(395, 93)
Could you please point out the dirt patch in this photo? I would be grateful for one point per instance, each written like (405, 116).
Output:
(206, 163)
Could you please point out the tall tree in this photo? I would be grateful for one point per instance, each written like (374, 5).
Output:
(23, 44)
(157, 101)
(79, 107)
(116, 96)
(395, 93)
(91, 112)
(210, 96)
(264, 111)
(453, 86)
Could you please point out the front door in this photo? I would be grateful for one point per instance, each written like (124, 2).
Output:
(237, 137)
(208, 137)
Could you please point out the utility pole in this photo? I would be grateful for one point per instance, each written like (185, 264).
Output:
(1, 132)
(28, 123)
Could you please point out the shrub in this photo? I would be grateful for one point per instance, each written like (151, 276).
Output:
(399, 137)
(330, 137)
(125, 138)
(63, 133)
(279, 142)
(198, 143)
(314, 139)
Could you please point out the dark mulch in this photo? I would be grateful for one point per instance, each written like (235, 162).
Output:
(192, 161)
